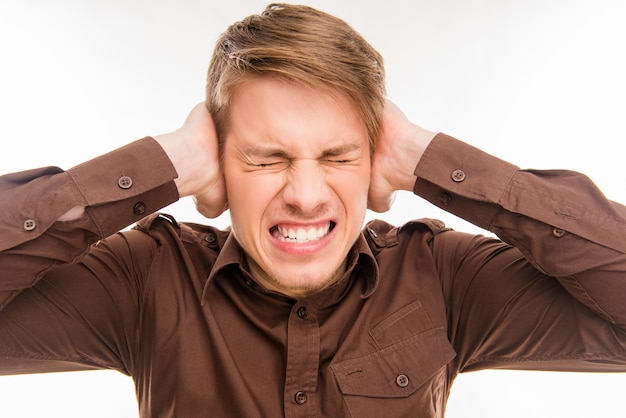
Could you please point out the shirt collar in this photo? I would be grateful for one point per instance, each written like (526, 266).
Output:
(364, 260)
(361, 261)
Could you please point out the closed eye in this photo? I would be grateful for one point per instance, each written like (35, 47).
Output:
(340, 161)
(344, 154)
(271, 163)
(259, 157)
(266, 165)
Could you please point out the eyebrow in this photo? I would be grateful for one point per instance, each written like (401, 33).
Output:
(271, 151)
(266, 151)
(340, 150)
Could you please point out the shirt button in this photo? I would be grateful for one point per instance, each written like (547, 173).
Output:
(445, 199)
(402, 380)
(302, 312)
(30, 224)
(125, 182)
(139, 208)
(210, 240)
(558, 232)
(300, 397)
(458, 176)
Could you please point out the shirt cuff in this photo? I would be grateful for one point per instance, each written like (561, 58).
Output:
(462, 179)
(126, 184)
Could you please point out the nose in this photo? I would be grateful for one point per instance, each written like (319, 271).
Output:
(306, 188)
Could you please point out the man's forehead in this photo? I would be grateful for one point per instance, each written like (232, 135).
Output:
(275, 117)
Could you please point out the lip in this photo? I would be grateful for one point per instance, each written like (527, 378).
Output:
(302, 248)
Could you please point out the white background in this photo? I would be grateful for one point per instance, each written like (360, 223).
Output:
(539, 83)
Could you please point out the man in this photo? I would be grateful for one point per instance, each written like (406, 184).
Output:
(295, 312)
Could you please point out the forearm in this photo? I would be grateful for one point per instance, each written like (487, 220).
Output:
(116, 190)
(492, 193)
(559, 220)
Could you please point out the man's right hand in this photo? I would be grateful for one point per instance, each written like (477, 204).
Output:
(193, 150)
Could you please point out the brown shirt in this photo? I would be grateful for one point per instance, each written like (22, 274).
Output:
(173, 304)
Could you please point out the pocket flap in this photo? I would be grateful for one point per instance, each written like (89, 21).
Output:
(395, 371)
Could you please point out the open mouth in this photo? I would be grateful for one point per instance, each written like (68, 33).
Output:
(301, 234)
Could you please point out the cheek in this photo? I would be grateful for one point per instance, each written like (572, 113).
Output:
(352, 190)
(249, 196)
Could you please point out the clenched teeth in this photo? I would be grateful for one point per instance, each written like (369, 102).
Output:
(301, 235)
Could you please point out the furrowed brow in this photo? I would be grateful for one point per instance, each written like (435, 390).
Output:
(340, 150)
(266, 152)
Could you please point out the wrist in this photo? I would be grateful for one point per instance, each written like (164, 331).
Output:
(175, 150)
(413, 147)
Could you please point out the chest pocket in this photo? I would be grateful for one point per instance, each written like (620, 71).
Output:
(406, 377)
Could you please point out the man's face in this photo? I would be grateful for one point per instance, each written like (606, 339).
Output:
(297, 170)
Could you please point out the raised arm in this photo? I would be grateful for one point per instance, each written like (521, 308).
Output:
(556, 289)
(54, 215)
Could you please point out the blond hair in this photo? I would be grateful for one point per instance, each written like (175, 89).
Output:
(298, 44)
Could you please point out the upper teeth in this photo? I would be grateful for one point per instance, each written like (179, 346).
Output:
(302, 234)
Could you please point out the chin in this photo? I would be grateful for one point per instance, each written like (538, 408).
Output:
(305, 284)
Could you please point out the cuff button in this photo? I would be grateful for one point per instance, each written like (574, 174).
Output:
(458, 176)
(125, 182)
(139, 208)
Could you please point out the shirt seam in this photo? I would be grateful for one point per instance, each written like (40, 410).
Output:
(11, 353)
(519, 359)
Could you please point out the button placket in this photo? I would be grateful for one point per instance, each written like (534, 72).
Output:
(303, 354)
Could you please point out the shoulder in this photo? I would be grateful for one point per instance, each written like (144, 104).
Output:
(385, 234)
(381, 235)
(428, 232)
(162, 227)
